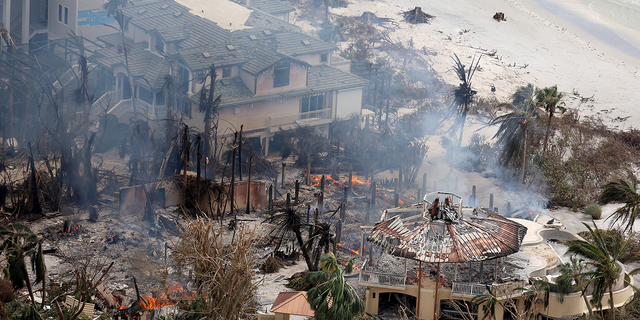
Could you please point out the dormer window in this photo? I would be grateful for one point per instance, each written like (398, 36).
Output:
(281, 74)
(324, 57)
(226, 72)
(159, 44)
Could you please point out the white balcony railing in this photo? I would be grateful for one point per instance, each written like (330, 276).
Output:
(499, 290)
(381, 279)
(298, 119)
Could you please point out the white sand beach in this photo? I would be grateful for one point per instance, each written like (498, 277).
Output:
(533, 46)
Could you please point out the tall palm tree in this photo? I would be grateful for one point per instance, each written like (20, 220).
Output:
(333, 298)
(515, 126)
(488, 301)
(209, 104)
(123, 23)
(83, 90)
(572, 280)
(623, 191)
(463, 94)
(603, 272)
(549, 99)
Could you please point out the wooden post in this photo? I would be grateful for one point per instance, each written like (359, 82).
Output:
(322, 184)
(240, 154)
(400, 179)
(373, 195)
(249, 186)
(284, 170)
(233, 174)
(396, 199)
(473, 196)
(308, 173)
(491, 201)
(419, 289)
(435, 301)
(288, 201)
(270, 197)
(275, 186)
(295, 198)
(350, 180)
(339, 227)
(321, 203)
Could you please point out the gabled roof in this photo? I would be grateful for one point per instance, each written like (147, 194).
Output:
(261, 59)
(258, 19)
(200, 58)
(320, 79)
(273, 6)
(292, 302)
(296, 44)
(174, 22)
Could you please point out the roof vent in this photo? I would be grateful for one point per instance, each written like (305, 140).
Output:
(306, 42)
(177, 14)
(267, 32)
(253, 37)
(141, 11)
(206, 54)
(231, 47)
(164, 6)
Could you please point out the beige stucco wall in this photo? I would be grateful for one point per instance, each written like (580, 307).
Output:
(248, 79)
(297, 80)
(57, 29)
(349, 102)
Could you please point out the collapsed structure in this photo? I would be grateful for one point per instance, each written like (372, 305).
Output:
(444, 254)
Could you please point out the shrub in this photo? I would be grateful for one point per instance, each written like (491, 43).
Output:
(272, 264)
(594, 210)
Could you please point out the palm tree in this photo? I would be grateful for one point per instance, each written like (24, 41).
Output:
(123, 23)
(572, 280)
(488, 301)
(83, 90)
(602, 271)
(19, 241)
(113, 5)
(333, 298)
(6, 38)
(515, 125)
(287, 221)
(209, 104)
(623, 191)
(463, 94)
(531, 296)
(549, 99)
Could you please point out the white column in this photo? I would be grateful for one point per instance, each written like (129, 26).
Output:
(6, 14)
(26, 8)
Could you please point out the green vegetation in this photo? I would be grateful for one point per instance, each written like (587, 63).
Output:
(594, 210)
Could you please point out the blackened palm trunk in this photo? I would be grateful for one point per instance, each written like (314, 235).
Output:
(240, 154)
(233, 176)
(35, 202)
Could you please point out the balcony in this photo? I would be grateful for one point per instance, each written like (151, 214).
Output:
(311, 118)
(509, 289)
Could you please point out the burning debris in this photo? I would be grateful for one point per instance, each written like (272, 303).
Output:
(416, 16)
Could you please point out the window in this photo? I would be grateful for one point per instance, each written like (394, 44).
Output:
(159, 44)
(281, 74)
(226, 72)
(59, 13)
(312, 103)
(66, 15)
(324, 57)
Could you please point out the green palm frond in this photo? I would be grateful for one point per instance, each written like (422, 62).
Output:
(623, 191)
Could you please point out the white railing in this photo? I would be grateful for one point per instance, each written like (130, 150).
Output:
(71, 74)
(382, 279)
(121, 108)
(103, 104)
(499, 290)
(299, 118)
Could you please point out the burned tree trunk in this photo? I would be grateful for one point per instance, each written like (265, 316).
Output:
(35, 202)
(416, 16)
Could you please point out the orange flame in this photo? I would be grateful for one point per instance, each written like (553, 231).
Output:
(328, 180)
(151, 303)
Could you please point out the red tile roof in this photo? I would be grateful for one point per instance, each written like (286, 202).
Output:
(292, 302)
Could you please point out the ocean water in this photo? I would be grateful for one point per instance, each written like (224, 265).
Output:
(615, 22)
(623, 12)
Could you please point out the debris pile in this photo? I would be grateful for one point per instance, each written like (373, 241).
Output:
(499, 16)
(416, 16)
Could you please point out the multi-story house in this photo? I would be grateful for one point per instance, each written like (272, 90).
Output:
(270, 79)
